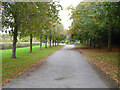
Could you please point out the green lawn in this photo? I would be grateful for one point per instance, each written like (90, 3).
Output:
(11, 67)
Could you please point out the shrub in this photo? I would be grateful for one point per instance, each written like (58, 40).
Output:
(62, 41)
(66, 42)
(72, 42)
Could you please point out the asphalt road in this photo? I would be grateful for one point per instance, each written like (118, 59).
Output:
(63, 69)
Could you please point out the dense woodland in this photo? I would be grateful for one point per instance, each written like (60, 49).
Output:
(98, 23)
(34, 19)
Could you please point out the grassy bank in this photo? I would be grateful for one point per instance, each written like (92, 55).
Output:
(11, 67)
(107, 61)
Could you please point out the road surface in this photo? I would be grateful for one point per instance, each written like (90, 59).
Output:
(63, 69)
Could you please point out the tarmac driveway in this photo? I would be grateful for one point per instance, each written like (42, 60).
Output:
(63, 69)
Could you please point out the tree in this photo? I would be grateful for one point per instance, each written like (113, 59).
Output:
(34, 19)
(92, 19)
(12, 17)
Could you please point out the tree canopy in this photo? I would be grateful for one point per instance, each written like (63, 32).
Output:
(34, 19)
(92, 20)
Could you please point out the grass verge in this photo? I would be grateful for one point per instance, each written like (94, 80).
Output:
(12, 67)
(107, 61)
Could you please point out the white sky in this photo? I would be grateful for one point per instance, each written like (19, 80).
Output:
(64, 13)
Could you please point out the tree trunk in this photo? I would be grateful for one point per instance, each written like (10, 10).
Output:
(94, 43)
(109, 40)
(98, 43)
(53, 42)
(98, 40)
(14, 42)
(41, 42)
(57, 42)
(45, 41)
(50, 42)
(90, 42)
(30, 43)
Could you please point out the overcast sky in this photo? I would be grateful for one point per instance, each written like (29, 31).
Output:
(64, 13)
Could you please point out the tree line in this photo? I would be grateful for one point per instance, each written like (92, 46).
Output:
(96, 22)
(33, 19)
